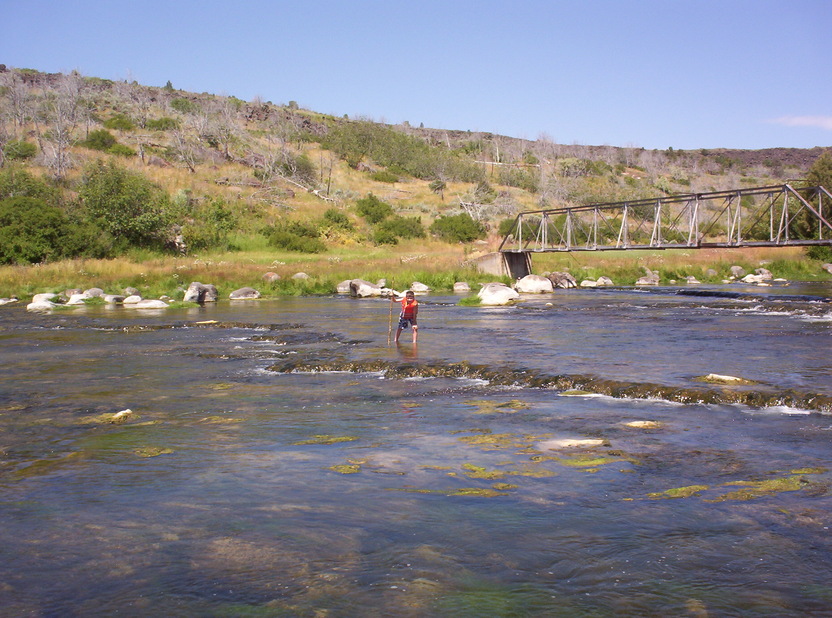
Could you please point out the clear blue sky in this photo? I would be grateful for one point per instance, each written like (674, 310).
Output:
(651, 73)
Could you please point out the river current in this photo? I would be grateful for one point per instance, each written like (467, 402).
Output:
(561, 457)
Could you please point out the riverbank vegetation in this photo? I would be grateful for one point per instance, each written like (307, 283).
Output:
(114, 184)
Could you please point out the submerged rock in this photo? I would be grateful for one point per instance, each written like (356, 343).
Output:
(565, 443)
(715, 378)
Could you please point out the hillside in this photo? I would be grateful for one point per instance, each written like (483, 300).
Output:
(228, 173)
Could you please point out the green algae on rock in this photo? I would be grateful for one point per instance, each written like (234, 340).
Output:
(480, 472)
(487, 406)
(679, 492)
(760, 489)
(152, 451)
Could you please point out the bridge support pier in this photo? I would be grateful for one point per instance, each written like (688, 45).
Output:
(518, 263)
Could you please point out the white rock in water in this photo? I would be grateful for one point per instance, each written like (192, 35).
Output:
(460, 287)
(644, 424)
(149, 304)
(551, 445)
(534, 284)
(493, 294)
(132, 299)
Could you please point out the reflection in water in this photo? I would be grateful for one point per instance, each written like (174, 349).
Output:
(280, 459)
(407, 351)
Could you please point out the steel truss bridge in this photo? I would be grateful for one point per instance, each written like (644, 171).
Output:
(774, 216)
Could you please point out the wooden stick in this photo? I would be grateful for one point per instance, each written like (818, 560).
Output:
(390, 325)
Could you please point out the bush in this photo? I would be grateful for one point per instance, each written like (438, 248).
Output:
(120, 122)
(100, 139)
(121, 150)
(126, 205)
(17, 182)
(295, 236)
(373, 209)
(210, 227)
(384, 176)
(163, 124)
(401, 227)
(820, 253)
(458, 228)
(338, 219)
(30, 231)
(20, 150)
(184, 106)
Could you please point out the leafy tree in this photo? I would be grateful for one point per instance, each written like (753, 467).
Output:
(373, 209)
(458, 228)
(126, 205)
(336, 218)
(31, 230)
(820, 174)
(210, 225)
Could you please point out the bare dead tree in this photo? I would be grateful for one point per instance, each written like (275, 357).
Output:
(61, 114)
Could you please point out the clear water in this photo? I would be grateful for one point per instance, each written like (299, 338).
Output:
(282, 459)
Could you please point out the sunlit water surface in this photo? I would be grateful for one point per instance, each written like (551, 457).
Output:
(262, 471)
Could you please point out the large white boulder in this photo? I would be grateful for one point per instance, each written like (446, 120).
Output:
(534, 284)
(362, 289)
(497, 294)
(201, 293)
(148, 304)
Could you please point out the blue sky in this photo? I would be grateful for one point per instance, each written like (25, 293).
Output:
(685, 74)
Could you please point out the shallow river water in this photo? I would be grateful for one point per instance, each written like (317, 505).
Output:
(561, 457)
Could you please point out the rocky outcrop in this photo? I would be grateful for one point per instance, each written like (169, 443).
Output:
(497, 294)
(201, 293)
(244, 294)
(534, 284)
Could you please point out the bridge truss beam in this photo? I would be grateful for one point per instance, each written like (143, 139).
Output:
(772, 216)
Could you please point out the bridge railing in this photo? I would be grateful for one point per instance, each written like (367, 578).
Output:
(777, 215)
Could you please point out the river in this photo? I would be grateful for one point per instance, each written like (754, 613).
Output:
(560, 457)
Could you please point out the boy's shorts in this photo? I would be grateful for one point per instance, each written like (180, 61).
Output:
(405, 322)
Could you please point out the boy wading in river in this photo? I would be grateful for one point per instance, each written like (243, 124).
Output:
(410, 307)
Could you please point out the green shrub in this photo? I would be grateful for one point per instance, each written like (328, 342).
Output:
(120, 122)
(184, 106)
(820, 253)
(295, 236)
(458, 228)
(210, 226)
(100, 139)
(20, 150)
(401, 227)
(121, 150)
(17, 182)
(31, 230)
(163, 124)
(384, 176)
(373, 209)
(336, 218)
(133, 210)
